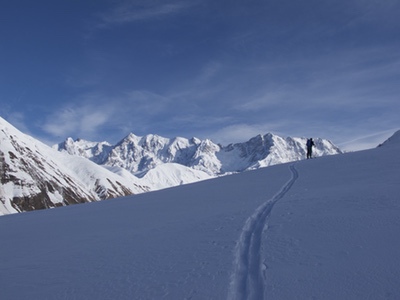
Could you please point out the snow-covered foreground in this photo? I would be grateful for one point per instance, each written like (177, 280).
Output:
(326, 228)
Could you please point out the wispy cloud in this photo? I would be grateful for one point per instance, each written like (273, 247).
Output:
(72, 120)
(132, 11)
(367, 141)
(358, 78)
(94, 116)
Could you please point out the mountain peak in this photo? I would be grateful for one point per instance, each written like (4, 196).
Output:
(36, 176)
(393, 140)
(131, 137)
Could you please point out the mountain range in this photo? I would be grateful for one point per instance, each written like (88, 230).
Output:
(139, 155)
(36, 176)
(325, 228)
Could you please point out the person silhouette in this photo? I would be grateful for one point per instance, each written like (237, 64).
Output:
(310, 144)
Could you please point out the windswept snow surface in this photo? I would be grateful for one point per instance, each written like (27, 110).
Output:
(171, 174)
(326, 228)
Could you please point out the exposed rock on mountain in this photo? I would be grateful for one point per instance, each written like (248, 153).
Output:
(35, 176)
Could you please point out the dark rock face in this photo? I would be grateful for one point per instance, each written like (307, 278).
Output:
(34, 176)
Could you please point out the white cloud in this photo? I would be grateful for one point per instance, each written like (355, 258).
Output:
(133, 11)
(72, 120)
(91, 116)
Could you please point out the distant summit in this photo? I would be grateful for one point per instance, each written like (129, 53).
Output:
(138, 155)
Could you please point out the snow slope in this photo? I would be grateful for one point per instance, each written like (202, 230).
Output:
(326, 228)
(35, 176)
(172, 174)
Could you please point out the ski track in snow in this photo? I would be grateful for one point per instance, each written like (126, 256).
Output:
(248, 277)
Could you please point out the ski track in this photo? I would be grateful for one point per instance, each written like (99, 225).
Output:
(248, 277)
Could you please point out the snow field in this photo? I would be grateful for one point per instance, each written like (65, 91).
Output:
(171, 244)
(335, 235)
(326, 228)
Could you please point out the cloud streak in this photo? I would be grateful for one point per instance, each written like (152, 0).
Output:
(83, 120)
(133, 11)
(97, 116)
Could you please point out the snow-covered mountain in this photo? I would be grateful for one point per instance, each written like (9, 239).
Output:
(35, 176)
(326, 228)
(138, 155)
(95, 151)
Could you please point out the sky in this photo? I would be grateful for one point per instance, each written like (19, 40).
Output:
(224, 70)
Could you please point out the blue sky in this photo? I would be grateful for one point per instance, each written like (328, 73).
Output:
(225, 70)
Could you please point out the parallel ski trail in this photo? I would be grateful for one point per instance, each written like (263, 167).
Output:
(247, 281)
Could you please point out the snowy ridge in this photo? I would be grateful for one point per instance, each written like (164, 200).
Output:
(394, 140)
(35, 176)
(95, 151)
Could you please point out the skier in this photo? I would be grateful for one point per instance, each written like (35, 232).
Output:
(310, 144)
